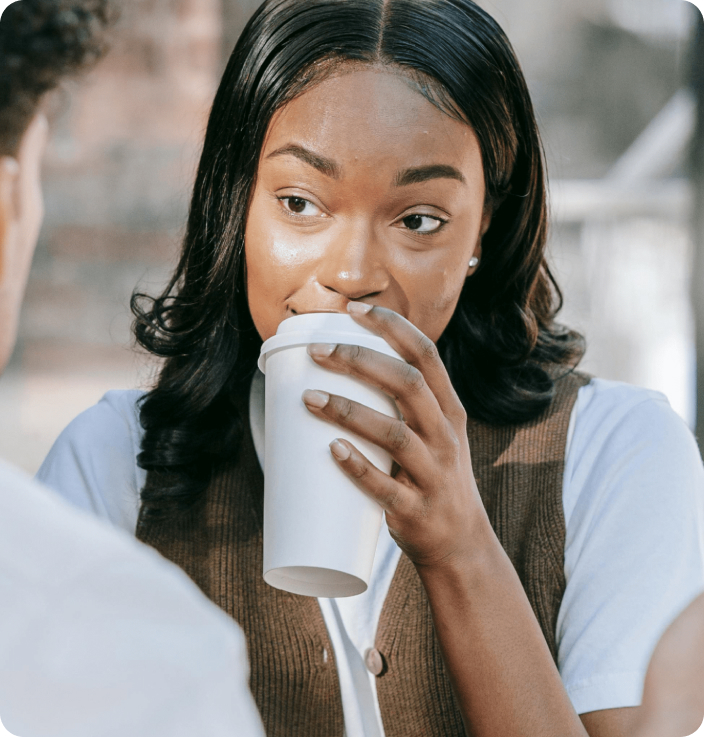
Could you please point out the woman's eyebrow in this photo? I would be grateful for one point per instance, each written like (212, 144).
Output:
(424, 173)
(322, 164)
(330, 168)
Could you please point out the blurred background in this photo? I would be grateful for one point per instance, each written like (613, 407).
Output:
(617, 102)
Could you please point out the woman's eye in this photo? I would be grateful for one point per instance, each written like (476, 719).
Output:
(423, 223)
(299, 206)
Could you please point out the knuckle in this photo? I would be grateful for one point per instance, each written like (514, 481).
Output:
(451, 450)
(427, 349)
(454, 447)
(345, 410)
(359, 471)
(413, 379)
(353, 354)
(384, 318)
(461, 415)
(398, 437)
(392, 499)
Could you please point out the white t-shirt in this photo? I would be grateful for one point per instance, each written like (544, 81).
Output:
(100, 636)
(633, 496)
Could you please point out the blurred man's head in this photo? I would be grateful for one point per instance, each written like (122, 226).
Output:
(41, 43)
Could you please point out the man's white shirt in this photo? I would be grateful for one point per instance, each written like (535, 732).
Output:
(100, 636)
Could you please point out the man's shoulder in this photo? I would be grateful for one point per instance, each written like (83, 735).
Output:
(18, 488)
(12, 476)
(40, 530)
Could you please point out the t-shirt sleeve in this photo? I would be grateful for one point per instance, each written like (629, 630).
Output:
(634, 552)
(93, 463)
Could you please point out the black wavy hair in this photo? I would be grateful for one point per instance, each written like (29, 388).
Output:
(502, 347)
(41, 42)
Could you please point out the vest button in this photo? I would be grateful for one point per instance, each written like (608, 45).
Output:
(374, 661)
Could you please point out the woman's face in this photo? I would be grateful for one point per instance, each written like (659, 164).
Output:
(365, 191)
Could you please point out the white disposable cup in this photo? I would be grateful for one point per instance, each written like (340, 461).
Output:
(320, 529)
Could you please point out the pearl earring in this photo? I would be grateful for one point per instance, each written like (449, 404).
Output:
(474, 261)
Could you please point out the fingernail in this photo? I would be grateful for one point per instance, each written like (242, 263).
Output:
(340, 450)
(315, 399)
(321, 350)
(358, 308)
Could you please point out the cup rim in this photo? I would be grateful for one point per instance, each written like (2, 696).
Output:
(296, 338)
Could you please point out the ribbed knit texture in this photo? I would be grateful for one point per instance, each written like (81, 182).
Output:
(519, 472)
(294, 680)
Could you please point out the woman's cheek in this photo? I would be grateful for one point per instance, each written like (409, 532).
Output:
(277, 267)
(437, 296)
(282, 258)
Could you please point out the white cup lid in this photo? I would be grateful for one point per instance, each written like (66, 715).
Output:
(323, 327)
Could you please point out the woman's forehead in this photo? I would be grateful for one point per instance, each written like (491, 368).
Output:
(372, 115)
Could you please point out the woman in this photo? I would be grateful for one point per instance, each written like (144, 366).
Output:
(382, 158)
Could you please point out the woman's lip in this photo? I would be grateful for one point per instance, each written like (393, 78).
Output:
(308, 312)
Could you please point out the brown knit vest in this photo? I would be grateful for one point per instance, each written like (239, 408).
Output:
(519, 472)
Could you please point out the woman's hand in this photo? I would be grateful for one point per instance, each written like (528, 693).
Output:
(433, 508)
(503, 675)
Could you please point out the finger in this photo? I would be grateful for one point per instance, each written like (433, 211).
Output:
(388, 493)
(389, 433)
(404, 383)
(414, 347)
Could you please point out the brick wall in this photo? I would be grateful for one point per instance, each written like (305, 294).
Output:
(118, 174)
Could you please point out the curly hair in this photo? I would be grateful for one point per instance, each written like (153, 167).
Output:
(502, 348)
(41, 42)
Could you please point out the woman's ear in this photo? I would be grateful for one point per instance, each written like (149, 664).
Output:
(476, 258)
(477, 253)
(25, 207)
(9, 183)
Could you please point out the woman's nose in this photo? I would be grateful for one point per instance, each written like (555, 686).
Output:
(354, 265)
